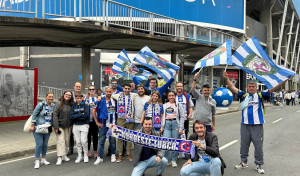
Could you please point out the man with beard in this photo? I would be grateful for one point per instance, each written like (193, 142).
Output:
(205, 108)
(185, 104)
(9, 91)
(145, 157)
(125, 106)
(139, 102)
(207, 159)
(114, 86)
(105, 114)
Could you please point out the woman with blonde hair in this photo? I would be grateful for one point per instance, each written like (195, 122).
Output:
(154, 109)
(42, 115)
(91, 100)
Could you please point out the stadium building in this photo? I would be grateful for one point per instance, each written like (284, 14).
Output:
(206, 22)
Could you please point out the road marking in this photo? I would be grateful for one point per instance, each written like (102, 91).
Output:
(277, 120)
(228, 144)
(298, 111)
(20, 159)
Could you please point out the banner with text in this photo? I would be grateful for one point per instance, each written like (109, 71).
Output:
(151, 141)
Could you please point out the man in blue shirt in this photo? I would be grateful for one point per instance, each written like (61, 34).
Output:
(151, 85)
(252, 121)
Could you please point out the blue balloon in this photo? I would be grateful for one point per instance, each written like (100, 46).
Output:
(223, 97)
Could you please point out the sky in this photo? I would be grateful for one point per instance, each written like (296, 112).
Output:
(297, 6)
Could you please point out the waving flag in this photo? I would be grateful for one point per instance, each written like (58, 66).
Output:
(221, 55)
(123, 63)
(156, 63)
(251, 57)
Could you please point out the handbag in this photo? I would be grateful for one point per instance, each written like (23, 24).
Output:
(27, 125)
(43, 129)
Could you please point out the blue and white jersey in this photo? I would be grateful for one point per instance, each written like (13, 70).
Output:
(253, 114)
(91, 101)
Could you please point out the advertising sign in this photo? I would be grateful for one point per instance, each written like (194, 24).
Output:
(18, 92)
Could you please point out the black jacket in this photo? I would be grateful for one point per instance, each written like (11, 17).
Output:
(136, 153)
(212, 147)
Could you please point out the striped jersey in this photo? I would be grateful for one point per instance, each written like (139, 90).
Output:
(253, 114)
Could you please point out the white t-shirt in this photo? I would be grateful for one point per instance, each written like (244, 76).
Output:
(201, 153)
(139, 103)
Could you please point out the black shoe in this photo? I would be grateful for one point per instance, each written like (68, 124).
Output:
(70, 152)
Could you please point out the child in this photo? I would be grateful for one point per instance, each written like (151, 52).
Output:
(80, 115)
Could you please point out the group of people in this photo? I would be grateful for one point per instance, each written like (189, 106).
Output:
(284, 97)
(89, 118)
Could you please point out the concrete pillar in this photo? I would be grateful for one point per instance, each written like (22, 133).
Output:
(180, 74)
(211, 76)
(266, 19)
(278, 60)
(24, 56)
(85, 67)
(289, 41)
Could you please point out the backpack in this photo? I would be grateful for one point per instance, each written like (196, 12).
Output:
(261, 98)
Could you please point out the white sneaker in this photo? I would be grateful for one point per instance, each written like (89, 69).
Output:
(44, 161)
(174, 164)
(98, 161)
(113, 158)
(169, 164)
(259, 169)
(37, 164)
(242, 165)
(65, 158)
(86, 159)
(58, 162)
(79, 158)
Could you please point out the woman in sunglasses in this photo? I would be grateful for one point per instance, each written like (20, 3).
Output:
(91, 99)
(62, 125)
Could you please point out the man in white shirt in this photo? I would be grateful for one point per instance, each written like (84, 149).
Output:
(293, 96)
(139, 102)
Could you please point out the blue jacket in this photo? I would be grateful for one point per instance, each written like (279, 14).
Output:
(161, 89)
(39, 118)
(80, 114)
(102, 113)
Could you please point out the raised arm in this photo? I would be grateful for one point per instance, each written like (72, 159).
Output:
(229, 83)
(195, 80)
(278, 86)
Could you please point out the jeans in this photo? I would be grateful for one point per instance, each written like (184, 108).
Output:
(102, 138)
(142, 166)
(201, 168)
(171, 131)
(41, 144)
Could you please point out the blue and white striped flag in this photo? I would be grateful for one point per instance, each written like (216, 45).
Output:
(123, 63)
(221, 55)
(251, 57)
(156, 63)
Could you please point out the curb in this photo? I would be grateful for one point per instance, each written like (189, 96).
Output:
(16, 154)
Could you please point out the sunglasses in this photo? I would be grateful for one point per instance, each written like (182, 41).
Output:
(91, 89)
(68, 94)
(114, 83)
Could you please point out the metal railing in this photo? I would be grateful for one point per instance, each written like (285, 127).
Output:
(110, 13)
(42, 91)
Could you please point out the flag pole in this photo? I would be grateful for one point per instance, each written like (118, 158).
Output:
(226, 67)
(200, 70)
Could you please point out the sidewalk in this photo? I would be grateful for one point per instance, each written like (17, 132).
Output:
(15, 143)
